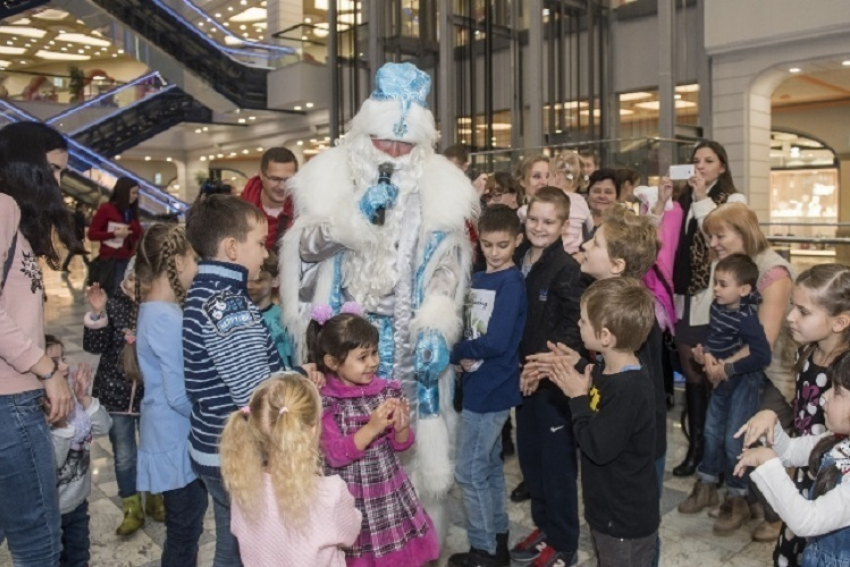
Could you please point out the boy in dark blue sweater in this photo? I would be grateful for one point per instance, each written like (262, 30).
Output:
(490, 357)
(227, 349)
(737, 375)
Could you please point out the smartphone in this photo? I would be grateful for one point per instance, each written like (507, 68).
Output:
(681, 172)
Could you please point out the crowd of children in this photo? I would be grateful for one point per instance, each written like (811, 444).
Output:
(303, 465)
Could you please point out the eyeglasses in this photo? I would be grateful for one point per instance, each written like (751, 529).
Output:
(496, 195)
(275, 180)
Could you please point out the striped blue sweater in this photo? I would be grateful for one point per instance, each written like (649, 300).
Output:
(227, 352)
(731, 329)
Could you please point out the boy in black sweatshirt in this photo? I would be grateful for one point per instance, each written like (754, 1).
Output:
(614, 423)
(547, 450)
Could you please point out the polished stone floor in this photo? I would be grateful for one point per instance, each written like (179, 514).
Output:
(686, 540)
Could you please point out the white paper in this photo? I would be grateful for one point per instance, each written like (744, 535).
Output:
(116, 242)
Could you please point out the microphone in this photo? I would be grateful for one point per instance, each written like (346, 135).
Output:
(385, 174)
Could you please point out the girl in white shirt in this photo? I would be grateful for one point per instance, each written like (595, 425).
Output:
(822, 516)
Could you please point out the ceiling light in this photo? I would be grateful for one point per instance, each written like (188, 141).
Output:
(22, 22)
(203, 158)
(241, 121)
(296, 107)
(117, 158)
(81, 38)
(244, 151)
(230, 40)
(12, 50)
(51, 14)
(309, 105)
(147, 158)
(259, 149)
(219, 155)
(635, 96)
(655, 105)
(200, 24)
(687, 89)
(232, 154)
(205, 128)
(230, 8)
(252, 118)
(308, 20)
(250, 15)
(218, 15)
(197, 130)
(168, 159)
(121, 51)
(846, 63)
(794, 70)
(24, 31)
(4, 64)
(299, 143)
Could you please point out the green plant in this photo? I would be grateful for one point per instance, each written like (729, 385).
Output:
(76, 83)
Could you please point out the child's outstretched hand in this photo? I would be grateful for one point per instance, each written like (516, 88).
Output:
(314, 375)
(753, 458)
(529, 379)
(82, 383)
(567, 378)
(760, 425)
(97, 298)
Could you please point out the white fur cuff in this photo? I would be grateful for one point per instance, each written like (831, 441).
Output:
(441, 313)
(91, 323)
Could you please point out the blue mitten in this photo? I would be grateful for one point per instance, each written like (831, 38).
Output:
(378, 197)
(429, 361)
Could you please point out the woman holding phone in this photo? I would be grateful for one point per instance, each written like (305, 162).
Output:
(710, 186)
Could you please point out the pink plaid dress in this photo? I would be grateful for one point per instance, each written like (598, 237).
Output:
(395, 530)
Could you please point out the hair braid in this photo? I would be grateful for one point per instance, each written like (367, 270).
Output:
(170, 249)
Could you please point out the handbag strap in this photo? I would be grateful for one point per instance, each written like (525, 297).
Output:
(10, 257)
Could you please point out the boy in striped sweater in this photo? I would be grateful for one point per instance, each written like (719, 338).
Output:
(227, 349)
(737, 374)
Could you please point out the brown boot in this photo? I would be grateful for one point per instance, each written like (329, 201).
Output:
(704, 495)
(733, 513)
(767, 531)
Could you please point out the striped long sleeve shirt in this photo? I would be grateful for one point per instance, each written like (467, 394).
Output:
(731, 329)
(227, 353)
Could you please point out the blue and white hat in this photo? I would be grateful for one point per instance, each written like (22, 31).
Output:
(405, 83)
(398, 107)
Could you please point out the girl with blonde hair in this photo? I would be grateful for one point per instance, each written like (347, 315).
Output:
(284, 511)
(565, 174)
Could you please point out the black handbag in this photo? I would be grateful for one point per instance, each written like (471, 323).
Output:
(102, 272)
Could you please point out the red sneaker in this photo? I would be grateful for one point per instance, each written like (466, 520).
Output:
(529, 548)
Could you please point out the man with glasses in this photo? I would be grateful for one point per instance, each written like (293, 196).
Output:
(268, 191)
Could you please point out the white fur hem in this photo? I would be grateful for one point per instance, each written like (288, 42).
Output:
(95, 324)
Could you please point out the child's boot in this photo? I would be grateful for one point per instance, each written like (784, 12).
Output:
(155, 507)
(704, 495)
(503, 554)
(733, 513)
(134, 516)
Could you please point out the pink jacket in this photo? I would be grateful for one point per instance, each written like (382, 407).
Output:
(668, 234)
(334, 522)
(21, 307)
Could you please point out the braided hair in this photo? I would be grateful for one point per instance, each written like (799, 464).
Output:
(155, 255)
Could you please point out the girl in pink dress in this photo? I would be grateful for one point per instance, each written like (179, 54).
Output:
(365, 424)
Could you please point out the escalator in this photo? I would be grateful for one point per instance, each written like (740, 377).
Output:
(239, 74)
(86, 167)
(9, 8)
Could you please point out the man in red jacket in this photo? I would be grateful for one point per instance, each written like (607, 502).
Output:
(268, 191)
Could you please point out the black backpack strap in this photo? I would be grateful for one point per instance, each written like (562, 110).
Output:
(662, 279)
(10, 257)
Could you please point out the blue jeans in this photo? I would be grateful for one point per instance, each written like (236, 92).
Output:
(75, 537)
(122, 435)
(732, 403)
(479, 473)
(29, 502)
(184, 522)
(226, 544)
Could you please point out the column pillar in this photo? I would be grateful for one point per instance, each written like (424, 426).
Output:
(446, 76)
(666, 83)
(533, 86)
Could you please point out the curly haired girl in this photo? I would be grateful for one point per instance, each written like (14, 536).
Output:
(284, 512)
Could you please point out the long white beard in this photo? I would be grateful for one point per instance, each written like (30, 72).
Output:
(370, 273)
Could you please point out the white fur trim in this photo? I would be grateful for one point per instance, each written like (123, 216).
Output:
(441, 313)
(378, 117)
(90, 323)
(448, 198)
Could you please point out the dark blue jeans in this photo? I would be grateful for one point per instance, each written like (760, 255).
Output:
(732, 403)
(75, 537)
(549, 463)
(122, 435)
(226, 544)
(29, 502)
(184, 522)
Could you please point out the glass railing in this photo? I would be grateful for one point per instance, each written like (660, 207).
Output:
(102, 171)
(231, 39)
(650, 157)
(107, 103)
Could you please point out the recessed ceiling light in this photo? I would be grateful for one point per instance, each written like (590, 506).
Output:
(846, 63)
(81, 38)
(12, 50)
(241, 121)
(219, 155)
(24, 31)
(205, 128)
(244, 151)
(259, 149)
(147, 158)
(300, 143)
(309, 105)
(794, 70)
(118, 157)
(168, 159)
(296, 107)
(203, 158)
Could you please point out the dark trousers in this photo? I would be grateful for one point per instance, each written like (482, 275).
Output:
(75, 537)
(616, 552)
(184, 522)
(548, 459)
